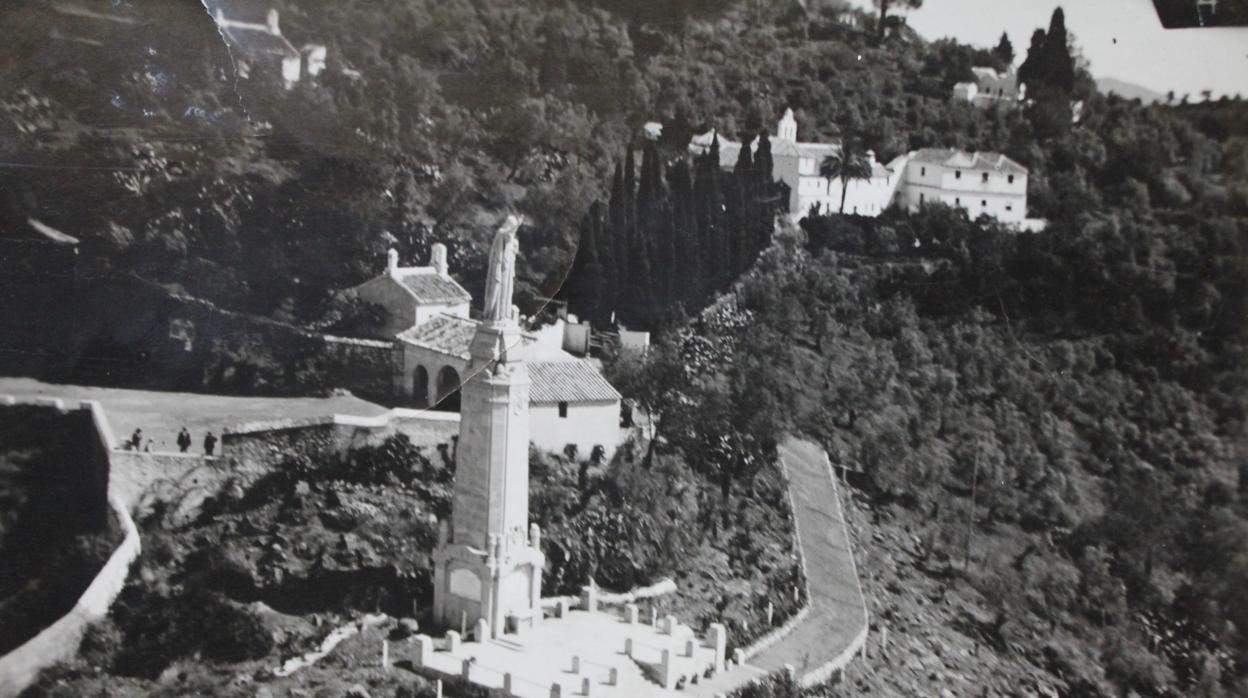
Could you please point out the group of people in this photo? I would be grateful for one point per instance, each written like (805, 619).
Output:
(184, 441)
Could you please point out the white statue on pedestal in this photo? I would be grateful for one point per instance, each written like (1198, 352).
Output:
(501, 275)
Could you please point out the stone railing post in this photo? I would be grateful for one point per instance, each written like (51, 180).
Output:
(666, 670)
(719, 641)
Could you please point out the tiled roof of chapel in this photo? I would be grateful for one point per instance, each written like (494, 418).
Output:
(445, 334)
(428, 286)
(567, 381)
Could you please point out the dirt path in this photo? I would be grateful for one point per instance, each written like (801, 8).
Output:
(838, 615)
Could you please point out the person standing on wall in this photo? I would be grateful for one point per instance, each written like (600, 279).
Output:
(210, 443)
(184, 440)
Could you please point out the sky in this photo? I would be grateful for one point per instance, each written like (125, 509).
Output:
(1121, 39)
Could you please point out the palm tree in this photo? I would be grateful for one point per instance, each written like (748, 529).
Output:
(850, 164)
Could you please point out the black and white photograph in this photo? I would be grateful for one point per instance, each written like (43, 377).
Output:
(623, 348)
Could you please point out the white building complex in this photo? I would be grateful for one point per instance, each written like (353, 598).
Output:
(991, 89)
(978, 182)
(426, 312)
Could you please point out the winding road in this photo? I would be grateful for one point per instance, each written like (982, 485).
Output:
(835, 628)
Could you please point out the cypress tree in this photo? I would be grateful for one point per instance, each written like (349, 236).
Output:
(738, 195)
(709, 210)
(764, 204)
(687, 276)
(609, 296)
(637, 293)
(1032, 72)
(618, 223)
(586, 278)
(653, 221)
(1059, 66)
(1004, 49)
(630, 193)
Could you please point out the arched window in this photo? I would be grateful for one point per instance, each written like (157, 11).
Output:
(448, 389)
(420, 386)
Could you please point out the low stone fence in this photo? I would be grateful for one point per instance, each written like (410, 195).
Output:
(662, 587)
(259, 446)
(59, 641)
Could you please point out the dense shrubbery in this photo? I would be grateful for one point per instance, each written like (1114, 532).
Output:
(1084, 385)
(635, 521)
(55, 529)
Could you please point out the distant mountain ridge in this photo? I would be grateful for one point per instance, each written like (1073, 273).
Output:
(1128, 90)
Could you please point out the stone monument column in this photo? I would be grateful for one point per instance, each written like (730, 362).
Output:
(486, 569)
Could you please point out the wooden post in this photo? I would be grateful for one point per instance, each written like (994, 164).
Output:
(385, 655)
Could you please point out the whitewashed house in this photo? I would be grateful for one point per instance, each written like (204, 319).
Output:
(977, 182)
(261, 46)
(411, 296)
(990, 88)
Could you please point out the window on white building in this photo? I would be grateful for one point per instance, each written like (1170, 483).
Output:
(563, 410)
(1008, 207)
(957, 201)
(921, 197)
(1010, 179)
(985, 180)
(957, 174)
(984, 203)
(922, 171)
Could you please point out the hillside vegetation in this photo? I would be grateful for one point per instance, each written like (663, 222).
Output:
(1048, 430)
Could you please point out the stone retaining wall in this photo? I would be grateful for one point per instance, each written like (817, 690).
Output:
(59, 641)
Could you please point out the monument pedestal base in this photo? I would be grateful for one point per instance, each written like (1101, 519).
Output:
(504, 590)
